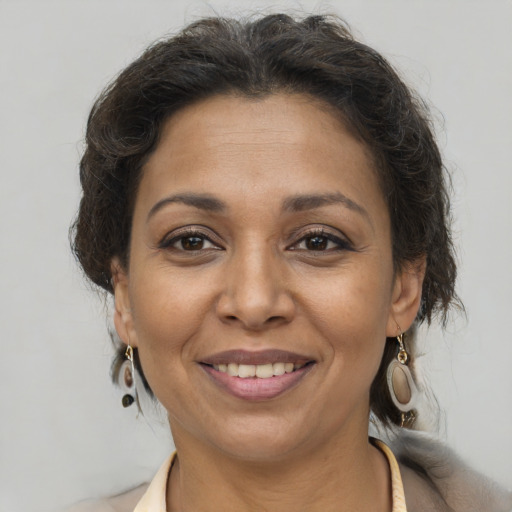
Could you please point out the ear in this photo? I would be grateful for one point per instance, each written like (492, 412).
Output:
(406, 297)
(123, 319)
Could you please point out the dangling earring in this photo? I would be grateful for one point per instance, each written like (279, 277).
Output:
(401, 385)
(127, 378)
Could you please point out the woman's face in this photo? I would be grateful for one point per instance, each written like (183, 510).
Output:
(261, 243)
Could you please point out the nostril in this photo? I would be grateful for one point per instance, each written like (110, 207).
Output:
(254, 311)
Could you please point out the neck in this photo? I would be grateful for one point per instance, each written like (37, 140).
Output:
(345, 475)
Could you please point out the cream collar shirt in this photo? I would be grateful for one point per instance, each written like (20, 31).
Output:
(154, 498)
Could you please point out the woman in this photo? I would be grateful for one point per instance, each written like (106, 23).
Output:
(266, 202)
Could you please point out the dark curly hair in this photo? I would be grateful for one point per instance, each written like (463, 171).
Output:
(316, 56)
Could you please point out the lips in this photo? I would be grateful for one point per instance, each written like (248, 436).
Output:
(258, 375)
(259, 357)
(261, 371)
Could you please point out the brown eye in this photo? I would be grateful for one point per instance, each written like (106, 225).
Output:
(189, 241)
(320, 241)
(192, 243)
(317, 243)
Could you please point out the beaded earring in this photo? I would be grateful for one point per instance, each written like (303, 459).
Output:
(127, 378)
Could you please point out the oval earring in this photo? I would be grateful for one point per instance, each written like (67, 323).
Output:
(402, 388)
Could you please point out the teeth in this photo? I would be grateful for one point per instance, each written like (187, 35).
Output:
(246, 370)
(232, 369)
(262, 371)
(278, 368)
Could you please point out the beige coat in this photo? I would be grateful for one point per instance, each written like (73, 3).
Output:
(436, 479)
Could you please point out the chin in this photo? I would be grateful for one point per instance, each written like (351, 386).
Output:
(262, 448)
(266, 439)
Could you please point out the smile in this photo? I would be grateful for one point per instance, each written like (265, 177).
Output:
(257, 376)
(260, 371)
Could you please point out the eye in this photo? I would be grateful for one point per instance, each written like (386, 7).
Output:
(188, 241)
(317, 243)
(321, 241)
(193, 243)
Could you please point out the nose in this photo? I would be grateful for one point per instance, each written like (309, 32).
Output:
(255, 294)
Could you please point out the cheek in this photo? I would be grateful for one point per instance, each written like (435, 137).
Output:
(352, 311)
(167, 313)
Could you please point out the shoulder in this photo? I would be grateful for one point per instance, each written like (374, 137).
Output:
(435, 478)
(124, 502)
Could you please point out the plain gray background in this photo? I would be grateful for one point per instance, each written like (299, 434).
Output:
(63, 433)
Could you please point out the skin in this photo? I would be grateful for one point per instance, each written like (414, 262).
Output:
(317, 280)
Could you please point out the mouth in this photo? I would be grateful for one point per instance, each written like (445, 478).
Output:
(257, 375)
(259, 371)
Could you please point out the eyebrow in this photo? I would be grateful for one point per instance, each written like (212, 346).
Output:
(298, 203)
(200, 201)
(311, 201)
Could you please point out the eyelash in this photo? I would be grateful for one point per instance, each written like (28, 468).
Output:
(341, 244)
(168, 243)
(188, 233)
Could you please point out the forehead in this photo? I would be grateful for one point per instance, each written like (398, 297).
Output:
(276, 118)
(283, 143)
